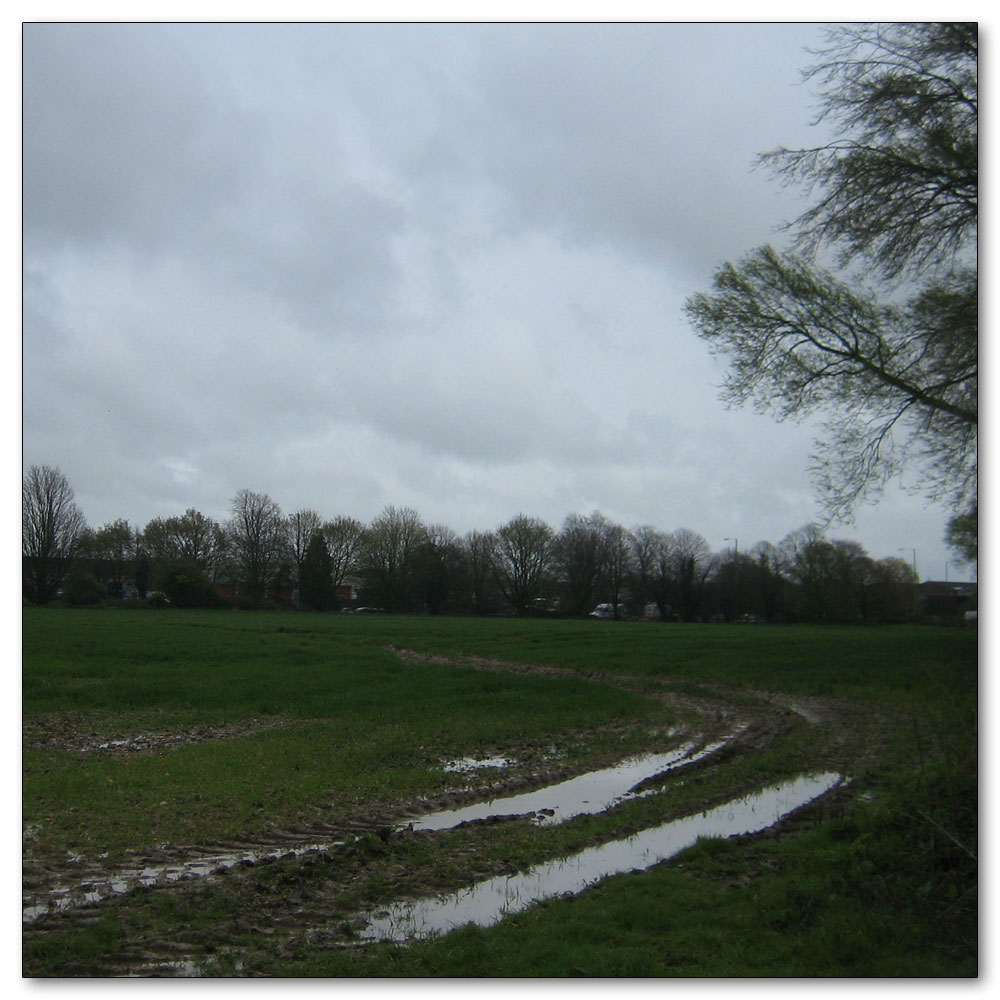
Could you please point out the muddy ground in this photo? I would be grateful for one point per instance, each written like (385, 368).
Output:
(304, 888)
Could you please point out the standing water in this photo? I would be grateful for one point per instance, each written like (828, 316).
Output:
(593, 792)
(488, 902)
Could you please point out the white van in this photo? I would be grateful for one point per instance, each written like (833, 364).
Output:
(607, 611)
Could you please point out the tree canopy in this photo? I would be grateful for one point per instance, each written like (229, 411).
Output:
(887, 351)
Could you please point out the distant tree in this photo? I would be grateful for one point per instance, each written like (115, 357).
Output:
(192, 536)
(689, 562)
(437, 568)
(51, 524)
(853, 572)
(344, 538)
(890, 358)
(767, 583)
(893, 590)
(302, 525)
(113, 545)
(315, 576)
(522, 560)
(617, 565)
(143, 571)
(199, 538)
(479, 548)
(579, 553)
(651, 565)
(808, 562)
(388, 556)
(258, 539)
(733, 575)
(157, 540)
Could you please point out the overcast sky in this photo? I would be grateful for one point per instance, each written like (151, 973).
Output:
(438, 266)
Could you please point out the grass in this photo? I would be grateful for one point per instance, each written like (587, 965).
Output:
(884, 888)
(357, 725)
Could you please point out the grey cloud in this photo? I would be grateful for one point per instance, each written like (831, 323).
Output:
(127, 142)
(632, 135)
(432, 265)
(133, 145)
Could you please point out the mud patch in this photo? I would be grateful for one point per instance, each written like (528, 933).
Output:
(96, 888)
(466, 764)
(587, 793)
(293, 890)
(72, 735)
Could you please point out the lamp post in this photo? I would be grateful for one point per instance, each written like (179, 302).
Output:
(736, 545)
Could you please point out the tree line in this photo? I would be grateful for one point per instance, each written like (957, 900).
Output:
(262, 557)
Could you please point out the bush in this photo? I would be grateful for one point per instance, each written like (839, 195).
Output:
(82, 588)
(186, 585)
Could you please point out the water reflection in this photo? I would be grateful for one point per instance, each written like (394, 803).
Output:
(489, 901)
(587, 793)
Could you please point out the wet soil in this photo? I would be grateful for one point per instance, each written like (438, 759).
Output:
(71, 733)
(309, 886)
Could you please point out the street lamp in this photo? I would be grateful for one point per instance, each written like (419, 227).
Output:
(914, 551)
(736, 545)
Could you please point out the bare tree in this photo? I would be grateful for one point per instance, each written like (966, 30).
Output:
(651, 560)
(479, 547)
(344, 540)
(808, 561)
(188, 552)
(389, 550)
(259, 540)
(437, 568)
(767, 584)
(690, 562)
(579, 555)
(51, 524)
(199, 538)
(302, 525)
(617, 564)
(523, 559)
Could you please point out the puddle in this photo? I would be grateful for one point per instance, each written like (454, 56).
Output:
(588, 793)
(488, 902)
(593, 792)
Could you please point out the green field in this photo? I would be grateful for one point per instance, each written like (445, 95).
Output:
(245, 725)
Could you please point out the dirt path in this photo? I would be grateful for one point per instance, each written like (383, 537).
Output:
(298, 886)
